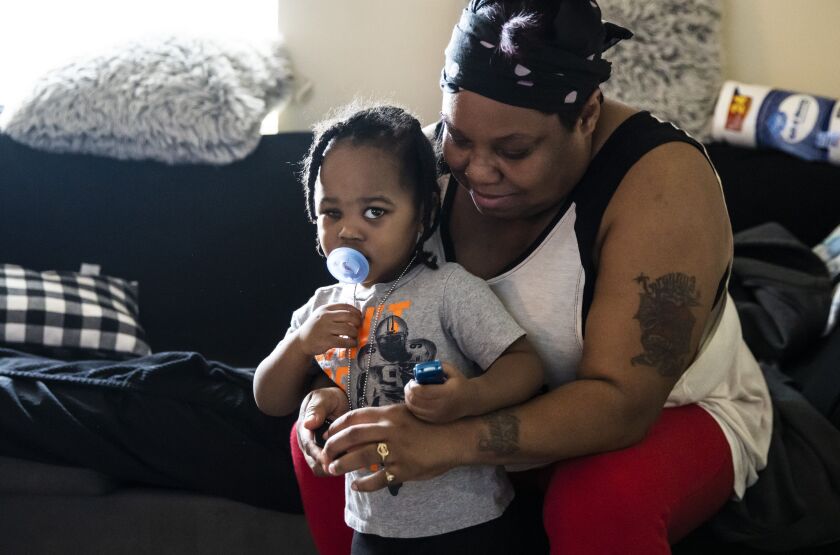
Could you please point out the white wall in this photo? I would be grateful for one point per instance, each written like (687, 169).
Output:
(389, 49)
(793, 44)
(394, 48)
(39, 35)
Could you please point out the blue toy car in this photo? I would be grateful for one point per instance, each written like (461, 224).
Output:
(430, 372)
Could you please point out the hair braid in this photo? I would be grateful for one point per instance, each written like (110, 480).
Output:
(395, 131)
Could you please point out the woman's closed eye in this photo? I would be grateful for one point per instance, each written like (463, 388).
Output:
(457, 139)
(515, 154)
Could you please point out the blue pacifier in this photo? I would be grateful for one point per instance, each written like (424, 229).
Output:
(348, 265)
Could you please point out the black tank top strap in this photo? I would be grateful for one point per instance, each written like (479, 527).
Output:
(635, 137)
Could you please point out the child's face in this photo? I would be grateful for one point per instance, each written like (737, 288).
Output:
(362, 202)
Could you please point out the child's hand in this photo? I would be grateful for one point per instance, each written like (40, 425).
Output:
(329, 326)
(440, 403)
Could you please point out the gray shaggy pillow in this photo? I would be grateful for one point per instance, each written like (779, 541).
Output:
(672, 66)
(176, 100)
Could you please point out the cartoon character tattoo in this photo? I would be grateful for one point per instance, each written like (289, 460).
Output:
(667, 321)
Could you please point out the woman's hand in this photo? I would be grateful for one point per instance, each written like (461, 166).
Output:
(329, 326)
(416, 450)
(316, 407)
(440, 403)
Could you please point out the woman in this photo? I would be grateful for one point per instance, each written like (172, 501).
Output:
(605, 233)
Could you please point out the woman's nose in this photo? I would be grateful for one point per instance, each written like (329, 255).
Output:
(480, 170)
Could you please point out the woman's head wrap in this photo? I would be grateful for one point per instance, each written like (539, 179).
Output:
(558, 75)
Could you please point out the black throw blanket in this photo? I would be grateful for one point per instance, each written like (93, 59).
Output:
(170, 419)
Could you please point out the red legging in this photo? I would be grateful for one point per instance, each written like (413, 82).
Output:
(636, 500)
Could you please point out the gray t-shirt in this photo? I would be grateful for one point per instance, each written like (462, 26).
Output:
(446, 314)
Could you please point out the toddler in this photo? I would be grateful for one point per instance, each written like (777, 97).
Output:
(371, 185)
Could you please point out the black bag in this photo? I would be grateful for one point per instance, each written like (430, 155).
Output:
(782, 291)
(796, 502)
(783, 294)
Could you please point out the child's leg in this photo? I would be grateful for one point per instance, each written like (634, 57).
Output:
(643, 498)
(496, 537)
(323, 505)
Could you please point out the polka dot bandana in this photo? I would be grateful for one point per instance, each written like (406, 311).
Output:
(555, 77)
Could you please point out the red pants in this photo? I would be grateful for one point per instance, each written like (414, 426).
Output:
(636, 500)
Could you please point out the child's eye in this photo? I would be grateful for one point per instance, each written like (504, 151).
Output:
(373, 213)
(330, 213)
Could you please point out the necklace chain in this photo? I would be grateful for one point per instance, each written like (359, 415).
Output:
(371, 336)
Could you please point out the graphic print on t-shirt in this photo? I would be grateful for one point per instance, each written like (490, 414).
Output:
(392, 357)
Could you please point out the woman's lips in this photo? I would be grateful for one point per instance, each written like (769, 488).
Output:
(491, 202)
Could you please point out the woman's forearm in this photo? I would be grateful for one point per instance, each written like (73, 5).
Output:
(580, 418)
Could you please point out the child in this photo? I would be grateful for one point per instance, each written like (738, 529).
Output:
(371, 185)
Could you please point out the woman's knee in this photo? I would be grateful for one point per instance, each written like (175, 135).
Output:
(642, 495)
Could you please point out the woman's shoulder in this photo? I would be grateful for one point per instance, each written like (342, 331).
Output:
(672, 191)
(673, 168)
(660, 156)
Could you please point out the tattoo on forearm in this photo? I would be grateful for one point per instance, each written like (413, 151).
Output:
(666, 321)
(502, 434)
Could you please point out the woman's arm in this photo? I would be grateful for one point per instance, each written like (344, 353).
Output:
(663, 247)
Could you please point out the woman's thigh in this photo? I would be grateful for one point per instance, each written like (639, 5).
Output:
(643, 498)
(323, 505)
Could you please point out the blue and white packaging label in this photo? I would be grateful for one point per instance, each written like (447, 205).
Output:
(804, 125)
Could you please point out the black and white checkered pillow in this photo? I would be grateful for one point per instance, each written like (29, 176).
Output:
(69, 310)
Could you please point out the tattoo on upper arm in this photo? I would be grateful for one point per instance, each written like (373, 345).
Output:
(502, 433)
(667, 321)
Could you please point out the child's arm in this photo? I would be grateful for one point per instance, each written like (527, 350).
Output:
(514, 377)
(282, 379)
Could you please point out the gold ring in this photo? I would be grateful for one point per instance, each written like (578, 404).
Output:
(382, 449)
(389, 477)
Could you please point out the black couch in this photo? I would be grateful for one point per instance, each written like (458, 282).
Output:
(223, 255)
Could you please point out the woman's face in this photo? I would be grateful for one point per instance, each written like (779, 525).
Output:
(515, 163)
(363, 202)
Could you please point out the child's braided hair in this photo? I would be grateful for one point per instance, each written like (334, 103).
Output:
(396, 132)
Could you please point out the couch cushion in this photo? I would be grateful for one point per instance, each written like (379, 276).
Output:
(672, 65)
(67, 310)
(175, 99)
(18, 476)
(147, 522)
